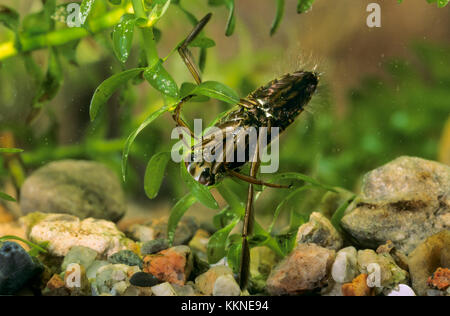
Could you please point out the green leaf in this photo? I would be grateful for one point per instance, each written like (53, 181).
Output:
(29, 243)
(115, 2)
(302, 177)
(278, 16)
(154, 173)
(9, 18)
(52, 81)
(304, 5)
(339, 214)
(231, 23)
(177, 213)
(161, 80)
(234, 255)
(7, 197)
(106, 89)
(187, 88)
(283, 203)
(200, 191)
(123, 37)
(85, 9)
(217, 242)
(217, 90)
(235, 204)
(159, 9)
(223, 218)
(203, 42)
(130, 140)
(10, 150)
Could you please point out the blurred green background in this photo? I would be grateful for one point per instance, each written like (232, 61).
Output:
(385, 92)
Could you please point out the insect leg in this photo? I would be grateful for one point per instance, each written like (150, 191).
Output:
(253, 180)
(186, 54)
(244, 271)
(177, 115)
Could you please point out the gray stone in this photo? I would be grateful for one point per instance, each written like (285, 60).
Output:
(320, 231)
(154, 246)
(164, 289)
(80, 188)
(113, 279)
(405, 201)
(143, 279)
(91, 272)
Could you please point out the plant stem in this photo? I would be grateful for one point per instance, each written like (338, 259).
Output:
(149, 44)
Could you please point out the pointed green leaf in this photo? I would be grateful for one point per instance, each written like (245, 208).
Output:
(52, 81)
(203, 42)
(278, 16)
(234, 255)
(108, 87)
(130, 140)
(10, 150)
(340, 212)
(9, 18)
(7, 197)
(217, 242)
(85, 9)
(161, 80)
(177, 213)
(231, 23)
(123, 37)
(217, 90)
(154, 173)
(200, 191)
(283, 203)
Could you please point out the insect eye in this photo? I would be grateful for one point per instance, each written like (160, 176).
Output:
(206, 177)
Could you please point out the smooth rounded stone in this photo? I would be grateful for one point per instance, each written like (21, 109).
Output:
(91, 272)
(16, 268)
(205, 282)
(154, 246)
(320, 231)
(226, 285)
(81, 255)
(382, 271)
(172, 265)
(430, 255)
(345, 266)
(157, 229)
(143, 279)
(199, 242)
(126, 257)
(406, 201)
(113, 279)
(401, 290)
(164, 289)
(80, 188)
(306, 269)
(185, 290)
(62, 232)
(137, 291)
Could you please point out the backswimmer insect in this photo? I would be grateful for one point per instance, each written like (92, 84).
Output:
(276, 104)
